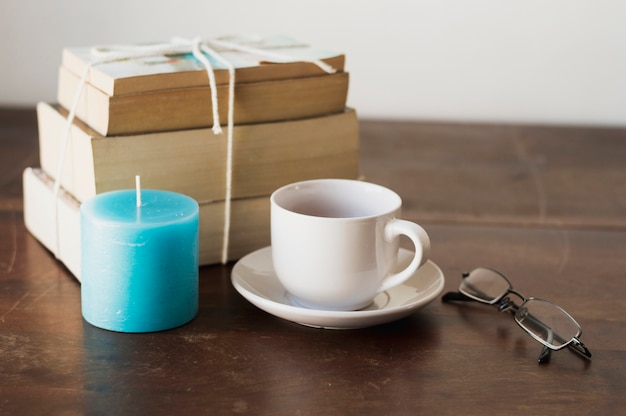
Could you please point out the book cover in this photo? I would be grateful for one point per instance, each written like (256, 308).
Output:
(249, 231)
(286, 60)
(193, 162)
(184, 108)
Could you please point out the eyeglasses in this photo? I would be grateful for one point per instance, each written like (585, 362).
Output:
(546, 322)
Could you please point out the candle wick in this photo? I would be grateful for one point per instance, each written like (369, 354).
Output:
(138, 189)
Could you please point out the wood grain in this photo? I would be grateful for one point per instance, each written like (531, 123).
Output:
(545, 205)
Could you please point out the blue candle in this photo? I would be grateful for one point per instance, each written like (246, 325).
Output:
(139, 260)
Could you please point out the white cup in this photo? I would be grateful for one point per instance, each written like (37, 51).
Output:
(335, 242)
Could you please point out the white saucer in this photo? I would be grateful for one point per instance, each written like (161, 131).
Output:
(254, 278)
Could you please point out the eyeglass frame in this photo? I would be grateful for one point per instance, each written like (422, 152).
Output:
(504, 303)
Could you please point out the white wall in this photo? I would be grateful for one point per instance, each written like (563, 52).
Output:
(537, 61)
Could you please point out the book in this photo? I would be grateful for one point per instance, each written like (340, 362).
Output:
(184, 71)
(193, 162)
(249, 231)
(184, 108)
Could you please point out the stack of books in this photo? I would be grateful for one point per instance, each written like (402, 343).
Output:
(152, 116)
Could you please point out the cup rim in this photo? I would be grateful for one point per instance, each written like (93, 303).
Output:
(394, 206)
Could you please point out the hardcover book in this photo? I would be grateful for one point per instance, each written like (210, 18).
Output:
(159, 93)
(193, 162)
(249, 231)
(161, 72)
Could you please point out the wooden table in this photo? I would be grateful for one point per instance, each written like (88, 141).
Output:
(545, 205)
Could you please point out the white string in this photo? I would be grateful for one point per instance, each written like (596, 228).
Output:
(198, 47)
(273, 55)
(197, 53)
(229, 150)
(138, 190)
(64, 142)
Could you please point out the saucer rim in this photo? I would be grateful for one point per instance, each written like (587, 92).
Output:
(393, 313)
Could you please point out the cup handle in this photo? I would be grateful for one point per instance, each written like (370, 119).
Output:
(421, 241)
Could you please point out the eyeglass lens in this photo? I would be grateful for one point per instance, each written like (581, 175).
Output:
(485, 285)
(547, 322)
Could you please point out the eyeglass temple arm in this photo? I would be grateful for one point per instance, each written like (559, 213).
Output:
(546, 353)
(579, 348)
